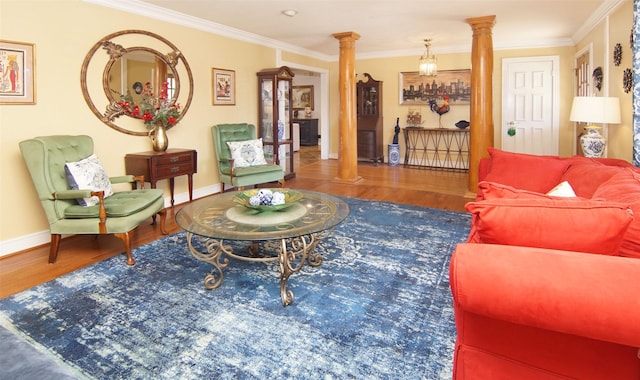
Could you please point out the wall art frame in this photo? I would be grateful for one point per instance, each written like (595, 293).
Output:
(223, 87)
(18, 73)
(416, 89)
(302, 97)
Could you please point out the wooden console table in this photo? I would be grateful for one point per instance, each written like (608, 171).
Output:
(163, 165)
(436, 148)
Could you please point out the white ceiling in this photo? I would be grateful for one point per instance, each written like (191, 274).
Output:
(386, 27)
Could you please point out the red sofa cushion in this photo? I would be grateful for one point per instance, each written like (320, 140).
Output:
(525, 171)
(625, 187)
(492, 190)
(586, 176)
(573, 225)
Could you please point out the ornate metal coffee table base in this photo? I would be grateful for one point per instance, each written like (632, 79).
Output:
(292, 255)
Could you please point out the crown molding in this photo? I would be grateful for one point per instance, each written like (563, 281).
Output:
(158, 13)
(603, 11)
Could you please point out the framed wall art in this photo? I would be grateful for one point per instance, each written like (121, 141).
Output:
(223, 87)
(416, 89)
(302, 97)
(17, 73)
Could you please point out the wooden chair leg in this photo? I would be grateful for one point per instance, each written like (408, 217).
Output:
(53, 249)
(163, 219)
(126, 238)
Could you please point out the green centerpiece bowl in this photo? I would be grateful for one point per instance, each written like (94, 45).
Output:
(290, 197)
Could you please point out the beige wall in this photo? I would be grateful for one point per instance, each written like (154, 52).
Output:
(601, 40)
(388, 70)
(63, 31)
(564, 75)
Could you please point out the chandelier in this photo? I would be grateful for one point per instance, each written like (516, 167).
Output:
(428, 63)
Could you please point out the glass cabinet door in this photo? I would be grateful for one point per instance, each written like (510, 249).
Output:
(276, 128)
(266, 117)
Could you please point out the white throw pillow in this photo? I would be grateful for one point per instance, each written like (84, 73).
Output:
(247, 153)
(88, 174)
(563, 189)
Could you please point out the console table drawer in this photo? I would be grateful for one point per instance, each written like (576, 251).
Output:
(175, 158)
(155, 166)
(172, 170)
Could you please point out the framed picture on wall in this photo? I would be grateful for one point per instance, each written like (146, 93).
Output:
(17, 73)
(302, 97)
(416, 89)
(223, 87)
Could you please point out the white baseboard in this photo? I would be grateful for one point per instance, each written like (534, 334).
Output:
(35, 239)
(24, 242)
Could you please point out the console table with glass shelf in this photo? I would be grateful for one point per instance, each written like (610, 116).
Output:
(441, 148)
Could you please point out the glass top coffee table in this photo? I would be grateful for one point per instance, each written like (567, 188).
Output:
(297, 229)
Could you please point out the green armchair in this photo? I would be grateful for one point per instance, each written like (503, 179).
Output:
(118, 214)
(229, 171)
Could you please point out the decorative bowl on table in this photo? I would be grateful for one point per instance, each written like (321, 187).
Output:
(462, 124)
(267, 199)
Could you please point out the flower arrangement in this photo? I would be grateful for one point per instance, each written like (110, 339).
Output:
(264, 200)
(414, 118)
(154, 111)
(266, 197)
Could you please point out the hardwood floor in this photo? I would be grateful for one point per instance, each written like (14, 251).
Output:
(427, 188)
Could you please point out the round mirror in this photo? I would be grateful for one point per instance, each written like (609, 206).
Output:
(135, 79)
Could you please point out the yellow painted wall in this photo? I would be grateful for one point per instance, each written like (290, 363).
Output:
(602, 39)
(620, 144)
(63, 32)
(564, 76)
(388, 70)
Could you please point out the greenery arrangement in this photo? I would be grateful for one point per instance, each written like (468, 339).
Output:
(153, 110)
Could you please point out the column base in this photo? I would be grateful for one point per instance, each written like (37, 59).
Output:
(348, 181)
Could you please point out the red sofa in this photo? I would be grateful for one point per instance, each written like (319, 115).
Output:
(548, 287)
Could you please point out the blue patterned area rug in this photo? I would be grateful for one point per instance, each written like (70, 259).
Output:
(378, 307)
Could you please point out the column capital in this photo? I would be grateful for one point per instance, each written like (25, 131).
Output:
(484, 22)
(346, 35)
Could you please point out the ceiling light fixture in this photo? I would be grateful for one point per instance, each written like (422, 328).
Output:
(428, 64)
(290, 13)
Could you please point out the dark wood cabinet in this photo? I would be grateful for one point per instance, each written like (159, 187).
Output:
(155, 166)
(369, 122)
(308, 131)
(275, 117)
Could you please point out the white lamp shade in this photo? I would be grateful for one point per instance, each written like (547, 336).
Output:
(595, 109)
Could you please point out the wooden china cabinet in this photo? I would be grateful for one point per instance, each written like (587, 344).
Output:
(369, 112)
(275, 117)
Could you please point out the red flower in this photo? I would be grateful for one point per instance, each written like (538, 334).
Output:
(153, 110)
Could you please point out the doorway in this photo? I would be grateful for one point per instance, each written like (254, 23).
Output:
(530, 105)
(319, 79)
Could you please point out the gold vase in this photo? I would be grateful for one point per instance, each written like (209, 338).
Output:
(159, 140)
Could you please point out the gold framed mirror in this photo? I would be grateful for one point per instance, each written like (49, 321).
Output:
(135, 66)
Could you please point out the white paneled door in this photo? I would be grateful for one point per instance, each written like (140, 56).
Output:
(530, 115)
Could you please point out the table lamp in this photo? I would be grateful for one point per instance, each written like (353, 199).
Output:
(594, 109)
